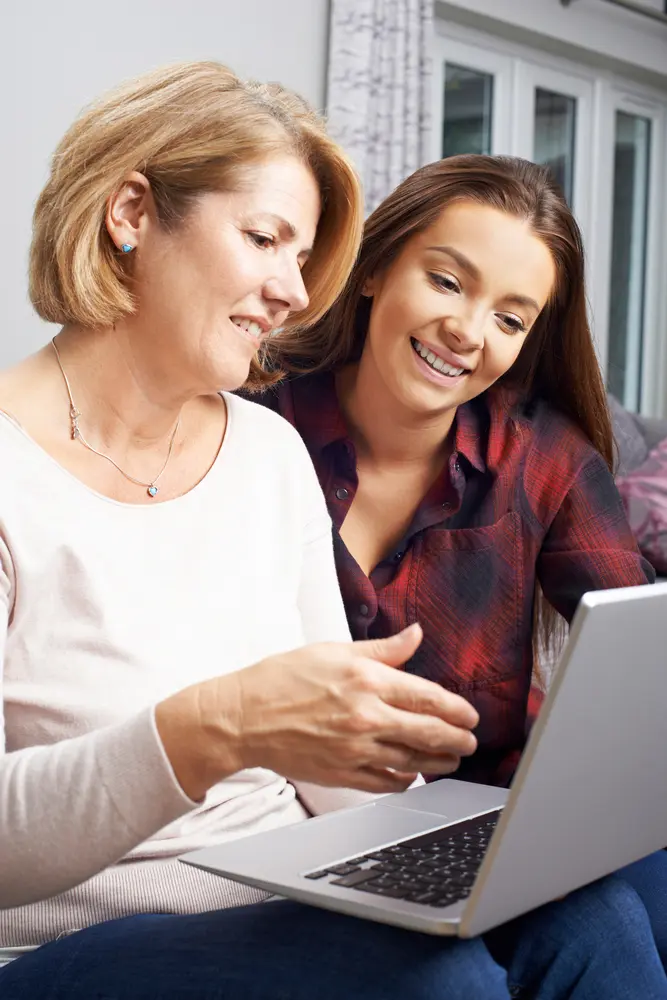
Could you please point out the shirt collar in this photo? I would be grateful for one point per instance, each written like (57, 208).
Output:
(471, 430)
(478, 423)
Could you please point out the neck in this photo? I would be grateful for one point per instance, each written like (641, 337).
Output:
(384, 431)
(123, 400)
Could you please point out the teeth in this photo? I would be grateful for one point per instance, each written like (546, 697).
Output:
(254, 329)
(434, 361)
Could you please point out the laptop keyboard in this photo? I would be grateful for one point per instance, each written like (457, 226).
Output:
(436, 869)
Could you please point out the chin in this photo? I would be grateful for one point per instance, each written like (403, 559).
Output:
(226, 374)
(229, 382)
(424, 398)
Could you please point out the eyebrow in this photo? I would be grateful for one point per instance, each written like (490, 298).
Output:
(282, 223)
(475, 274)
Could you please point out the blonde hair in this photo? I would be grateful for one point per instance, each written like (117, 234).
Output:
(190, 129)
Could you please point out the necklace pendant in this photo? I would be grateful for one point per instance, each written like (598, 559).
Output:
(75, 431)
(74, 417)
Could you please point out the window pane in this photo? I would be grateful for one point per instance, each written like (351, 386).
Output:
(628, 256)
(555, 122)
(468, 110)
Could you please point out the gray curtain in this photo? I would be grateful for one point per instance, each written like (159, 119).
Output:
(379, 88)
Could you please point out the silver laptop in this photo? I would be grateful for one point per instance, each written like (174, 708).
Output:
(453, 857)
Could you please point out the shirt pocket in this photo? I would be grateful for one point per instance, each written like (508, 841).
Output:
(468, 595)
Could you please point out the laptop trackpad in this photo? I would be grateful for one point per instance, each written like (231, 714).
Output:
(449, 798)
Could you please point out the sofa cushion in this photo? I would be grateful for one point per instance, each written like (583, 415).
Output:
(629, 436)
(644, 492)
(653, 430)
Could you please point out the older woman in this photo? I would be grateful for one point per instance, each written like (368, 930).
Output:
(162, 545)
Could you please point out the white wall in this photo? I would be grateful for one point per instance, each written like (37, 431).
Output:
(56, 57)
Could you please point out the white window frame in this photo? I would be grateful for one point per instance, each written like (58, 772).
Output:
(499, 65)
(619, 97)
(517, 71)
(528, 77)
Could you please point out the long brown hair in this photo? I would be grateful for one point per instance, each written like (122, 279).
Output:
(557, 362)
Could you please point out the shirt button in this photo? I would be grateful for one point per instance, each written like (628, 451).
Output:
(398, 556)
(447, 505)
(363, 609)
(342, 493)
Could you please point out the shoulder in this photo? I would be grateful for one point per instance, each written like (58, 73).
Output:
(27, 389)
(17, 466)
(255, 414)
(554, 441)
(544, 454)
(263, 428)
(26, 414)
(31, 403)
(275, 457)
(566, 474)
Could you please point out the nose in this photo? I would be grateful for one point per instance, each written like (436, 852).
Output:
(287, 288)
(467, 329)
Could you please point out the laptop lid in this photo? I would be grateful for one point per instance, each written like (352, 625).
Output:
(590, 794)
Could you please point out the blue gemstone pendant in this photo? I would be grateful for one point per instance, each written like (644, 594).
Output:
(127, 247)
(152, 490)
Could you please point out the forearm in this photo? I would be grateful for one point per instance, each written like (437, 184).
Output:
(69, 810)
(200, 731)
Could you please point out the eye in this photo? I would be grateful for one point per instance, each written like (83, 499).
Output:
(512, 323)
(445, 282)
(261, 240)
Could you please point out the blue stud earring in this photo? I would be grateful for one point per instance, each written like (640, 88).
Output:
(127, 247)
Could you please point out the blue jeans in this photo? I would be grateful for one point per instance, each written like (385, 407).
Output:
(596, 944)
(649, 879)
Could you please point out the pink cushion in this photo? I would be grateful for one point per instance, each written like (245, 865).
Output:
(644, 493)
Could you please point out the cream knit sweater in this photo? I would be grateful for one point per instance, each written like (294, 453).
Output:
(105, 609)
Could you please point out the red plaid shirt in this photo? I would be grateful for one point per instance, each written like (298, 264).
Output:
(525, 498)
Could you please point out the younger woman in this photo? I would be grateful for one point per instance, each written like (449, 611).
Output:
(453, 406)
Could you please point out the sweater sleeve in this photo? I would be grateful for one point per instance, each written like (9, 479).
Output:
(70, 809)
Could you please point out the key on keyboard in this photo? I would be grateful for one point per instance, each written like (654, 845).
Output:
(435, 869)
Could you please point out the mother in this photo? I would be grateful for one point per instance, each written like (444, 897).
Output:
(162, 543)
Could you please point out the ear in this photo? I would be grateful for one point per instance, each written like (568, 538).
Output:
(129, 210)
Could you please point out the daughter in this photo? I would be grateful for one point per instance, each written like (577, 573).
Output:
(453, 406)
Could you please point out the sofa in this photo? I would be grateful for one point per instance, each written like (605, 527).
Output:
(641, 476)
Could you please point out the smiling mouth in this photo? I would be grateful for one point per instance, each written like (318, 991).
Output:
(435, 361)
(248, 326)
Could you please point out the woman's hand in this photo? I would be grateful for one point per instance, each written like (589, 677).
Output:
(336, 714)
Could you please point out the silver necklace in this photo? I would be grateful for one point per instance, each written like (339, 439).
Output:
(75, 415)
